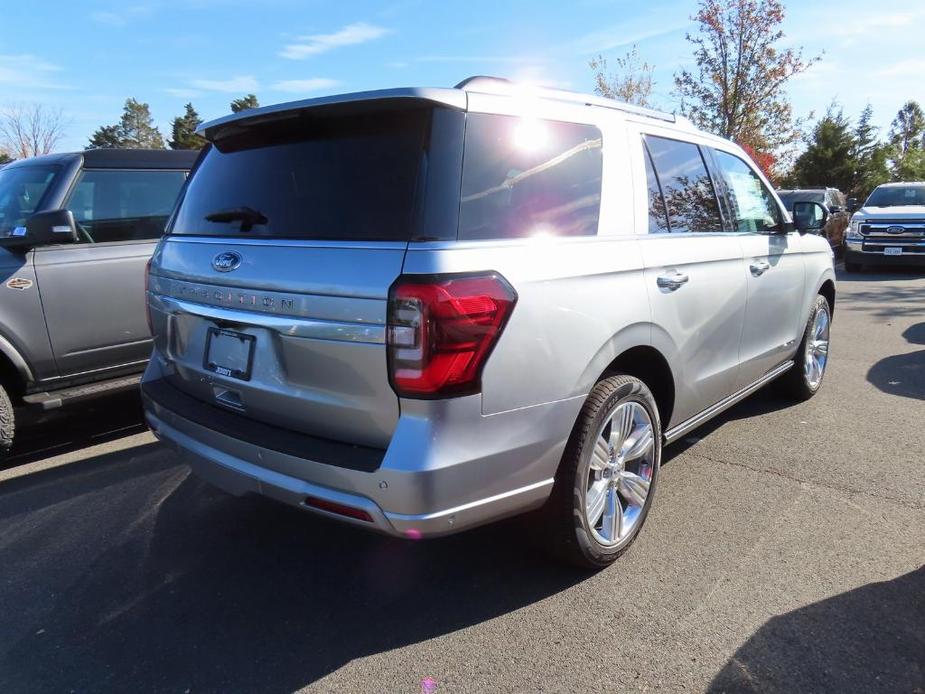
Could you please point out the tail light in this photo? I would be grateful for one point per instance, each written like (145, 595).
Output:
(147, 288)
(442, 329)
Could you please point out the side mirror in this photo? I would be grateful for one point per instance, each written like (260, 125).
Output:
(835, 209)
(43, 229)
(853, 205)
(809, 216)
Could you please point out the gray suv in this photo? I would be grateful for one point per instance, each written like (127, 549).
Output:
(421, 310)
(76, 231)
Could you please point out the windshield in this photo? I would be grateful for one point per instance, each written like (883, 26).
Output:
(896, 196)
(349, 177)
(22, 189)
(792, 196)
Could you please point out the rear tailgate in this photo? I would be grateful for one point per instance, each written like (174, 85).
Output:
(317, 318)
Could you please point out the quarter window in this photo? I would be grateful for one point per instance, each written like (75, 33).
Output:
(658, 215)
(124, 205)
(690, 199)
(752, 203)
(529, 177)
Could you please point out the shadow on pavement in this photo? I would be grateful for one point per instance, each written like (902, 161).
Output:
(902, 374)
(124, 573)
(77, 426)
(871, 639)
(882, 273)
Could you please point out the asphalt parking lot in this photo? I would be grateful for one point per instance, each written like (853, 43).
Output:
(785, 553)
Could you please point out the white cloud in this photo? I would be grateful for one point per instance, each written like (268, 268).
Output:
(26, 70)
(239, 83)
(914, 67)
(123, 16)
(350, 35)
(182, 92)
(313, 84)
(506, 59)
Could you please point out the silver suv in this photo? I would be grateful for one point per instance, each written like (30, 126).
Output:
(420, 310)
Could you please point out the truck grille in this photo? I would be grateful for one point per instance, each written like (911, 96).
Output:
(906, 234)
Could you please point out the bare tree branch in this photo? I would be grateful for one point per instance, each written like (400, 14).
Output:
(30, 130)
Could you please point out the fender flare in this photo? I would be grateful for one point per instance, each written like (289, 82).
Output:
(8, 349)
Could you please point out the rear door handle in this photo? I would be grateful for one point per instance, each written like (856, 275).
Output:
(673, 281)
(759, 267)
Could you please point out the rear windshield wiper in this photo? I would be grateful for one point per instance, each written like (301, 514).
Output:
(246, 215)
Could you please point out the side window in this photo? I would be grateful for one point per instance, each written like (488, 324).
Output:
(527, 177)
(658, 215)
(686, 186)
(124, 205)
(753, 206)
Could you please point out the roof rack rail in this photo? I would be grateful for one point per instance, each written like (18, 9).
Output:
(502, 85)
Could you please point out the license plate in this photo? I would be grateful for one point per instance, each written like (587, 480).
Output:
(229, 353)
(892, 250)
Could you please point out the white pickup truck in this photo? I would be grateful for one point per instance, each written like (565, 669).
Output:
(889, 229)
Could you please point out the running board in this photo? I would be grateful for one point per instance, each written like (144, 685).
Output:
(57, 398)
(678, 431)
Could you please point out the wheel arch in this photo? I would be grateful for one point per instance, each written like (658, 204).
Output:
(651, 367)
(14, 370)
(827, 289)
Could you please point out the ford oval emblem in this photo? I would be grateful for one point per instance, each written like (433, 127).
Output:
(227, 261)
(895, 230)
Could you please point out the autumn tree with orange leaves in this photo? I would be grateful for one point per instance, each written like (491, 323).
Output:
(737, 89)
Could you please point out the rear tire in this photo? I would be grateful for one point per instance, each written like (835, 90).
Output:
(852, 267)
(7, 423)
(805, 378)
(606, 480)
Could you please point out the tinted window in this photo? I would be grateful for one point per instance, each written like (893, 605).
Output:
(753, 206)
(658, 216)
(22, 189)
(788, 197)
(526, 177)
(124, 205)
(342, 177)
(895, 196)
(686, 186)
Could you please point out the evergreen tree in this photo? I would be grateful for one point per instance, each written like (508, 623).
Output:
(135, 130)
(869, 157)
(184, 130)
(827, 160)
(907, 137)
(106, 137)
(5, 158)
(244, 103)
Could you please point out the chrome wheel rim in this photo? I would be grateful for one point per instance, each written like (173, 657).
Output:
(620, 474)
(817, 349)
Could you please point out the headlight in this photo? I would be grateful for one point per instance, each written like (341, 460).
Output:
(854, 233)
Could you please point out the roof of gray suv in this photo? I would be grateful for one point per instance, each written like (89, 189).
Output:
(120, 158)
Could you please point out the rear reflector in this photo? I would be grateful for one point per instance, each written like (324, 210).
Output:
(147, 289)
(339, 509)
(441, 331)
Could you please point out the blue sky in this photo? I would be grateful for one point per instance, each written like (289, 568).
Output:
(88, 57)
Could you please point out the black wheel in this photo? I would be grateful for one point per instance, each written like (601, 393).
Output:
(607, 477)
(852, 267)
(7, 423)
(805, 378)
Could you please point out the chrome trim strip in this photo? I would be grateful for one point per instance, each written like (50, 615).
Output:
(266, 241)
(678, 431)
(407, 518)
(289, 326)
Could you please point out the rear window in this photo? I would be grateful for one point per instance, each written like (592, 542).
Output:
(22, 190)
(528, 177)
(349, 177)
(790, 197)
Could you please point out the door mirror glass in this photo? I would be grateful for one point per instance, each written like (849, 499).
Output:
(853, 204)
(43, 229)
(809, 216)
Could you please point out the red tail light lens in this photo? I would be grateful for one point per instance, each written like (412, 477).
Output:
(147, 288)
(441, 331)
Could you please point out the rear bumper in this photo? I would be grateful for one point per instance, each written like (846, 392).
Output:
(444, 471)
